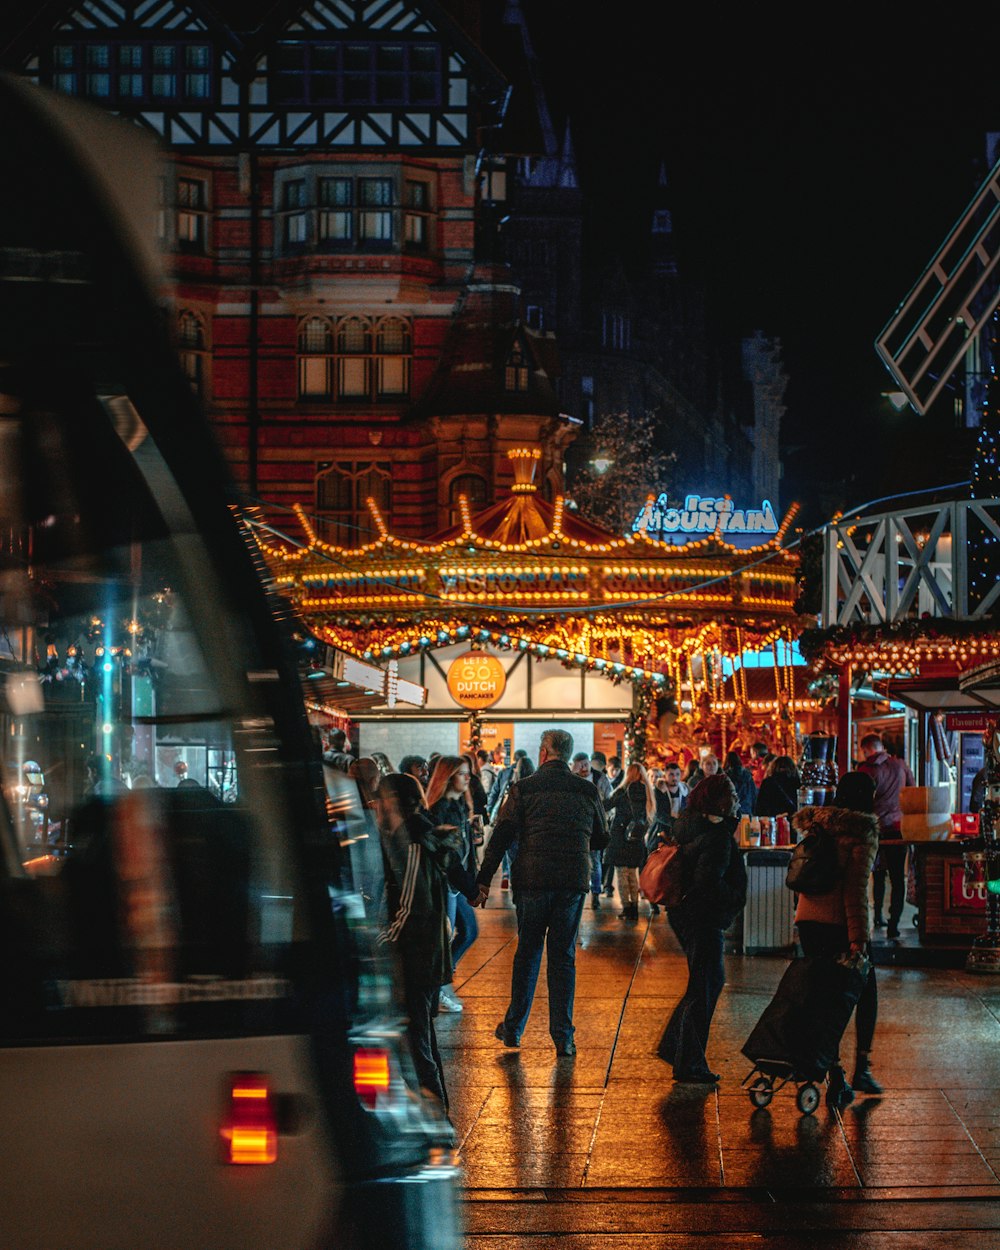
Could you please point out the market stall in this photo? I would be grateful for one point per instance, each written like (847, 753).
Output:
(945, 672)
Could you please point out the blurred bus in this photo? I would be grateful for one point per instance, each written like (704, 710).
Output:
(200, 1044)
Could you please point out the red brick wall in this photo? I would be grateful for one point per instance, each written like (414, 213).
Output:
(937, 919)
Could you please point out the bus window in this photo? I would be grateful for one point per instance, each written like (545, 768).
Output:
(143, 893)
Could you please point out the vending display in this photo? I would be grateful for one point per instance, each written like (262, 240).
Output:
(818, 771)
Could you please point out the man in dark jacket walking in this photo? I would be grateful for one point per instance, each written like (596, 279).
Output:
(556, 819)
(890, 776)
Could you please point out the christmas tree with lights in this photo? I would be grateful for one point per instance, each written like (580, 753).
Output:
(984, 548)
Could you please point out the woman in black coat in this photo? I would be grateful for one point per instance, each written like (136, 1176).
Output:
(715, 887)
(779, 791)
(421, 863)
(634, 807)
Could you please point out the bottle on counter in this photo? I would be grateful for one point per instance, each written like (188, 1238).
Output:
(754, 835)
(782, 831)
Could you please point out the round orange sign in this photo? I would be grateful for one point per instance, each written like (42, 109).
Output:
(476, 680)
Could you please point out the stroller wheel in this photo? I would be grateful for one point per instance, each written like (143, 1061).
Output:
(761, 1092)
(807, 1099)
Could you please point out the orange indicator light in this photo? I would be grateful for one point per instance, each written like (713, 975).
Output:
(371, 1075)
(250, 1134)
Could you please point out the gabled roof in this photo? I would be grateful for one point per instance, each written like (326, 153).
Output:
(347, 18)
(471, 375)
(29, 24)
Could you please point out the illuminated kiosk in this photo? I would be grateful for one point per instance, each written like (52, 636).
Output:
(567, 623)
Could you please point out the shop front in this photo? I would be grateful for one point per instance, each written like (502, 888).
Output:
(944, 675)
(497, 700)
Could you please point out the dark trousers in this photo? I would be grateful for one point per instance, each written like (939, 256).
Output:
(686, 1036)
(829, 941)
(549, 919)
(609, 876)
(595, 872)
(891, 863)
(421, 1008)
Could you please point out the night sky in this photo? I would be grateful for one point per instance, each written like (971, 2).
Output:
(816, 163)
(815, 169)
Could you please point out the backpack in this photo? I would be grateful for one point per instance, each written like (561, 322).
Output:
(661, 878)
(814, 867)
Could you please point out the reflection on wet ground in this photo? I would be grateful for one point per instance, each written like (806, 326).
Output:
(613, 1146)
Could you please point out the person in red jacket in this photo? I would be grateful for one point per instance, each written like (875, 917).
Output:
(890, 776)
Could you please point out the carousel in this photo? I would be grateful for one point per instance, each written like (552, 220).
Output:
(642, 626)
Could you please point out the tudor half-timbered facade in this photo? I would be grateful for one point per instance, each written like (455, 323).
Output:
(328, 179)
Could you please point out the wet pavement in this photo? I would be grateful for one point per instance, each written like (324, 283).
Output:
(605, 1150)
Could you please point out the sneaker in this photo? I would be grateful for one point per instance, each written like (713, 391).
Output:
(566, 1051)
(447, 1000)
(595, 901)
(892, 932)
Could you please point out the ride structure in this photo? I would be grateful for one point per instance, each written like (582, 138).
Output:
(673, 619)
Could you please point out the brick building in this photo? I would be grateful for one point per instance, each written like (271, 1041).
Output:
(334, 301)
(377, 241)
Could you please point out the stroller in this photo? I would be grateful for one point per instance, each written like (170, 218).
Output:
(797, 1039)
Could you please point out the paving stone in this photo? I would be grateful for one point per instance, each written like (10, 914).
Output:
(612, 1122)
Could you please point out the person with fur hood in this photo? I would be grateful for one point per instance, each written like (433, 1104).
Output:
(832, 924)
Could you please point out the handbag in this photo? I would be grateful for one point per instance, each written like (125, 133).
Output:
(661, 878)
(635, 830)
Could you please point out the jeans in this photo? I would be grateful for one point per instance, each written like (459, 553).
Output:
(892, 858)
(549, 918)
(464, 925)
(686, 1036)
(828, 941)
(596, 872)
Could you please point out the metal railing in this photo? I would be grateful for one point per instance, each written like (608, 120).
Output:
(936, 560)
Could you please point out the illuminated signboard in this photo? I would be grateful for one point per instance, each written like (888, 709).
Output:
(476, 680)
(542, 582)
(661, 521)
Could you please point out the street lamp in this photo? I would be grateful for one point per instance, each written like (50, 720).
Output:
(602, 463)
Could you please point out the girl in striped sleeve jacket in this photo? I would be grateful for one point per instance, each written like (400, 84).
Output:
(421, 861)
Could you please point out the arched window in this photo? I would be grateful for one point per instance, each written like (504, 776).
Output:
(473, 487)
(355, 359)
(191, 348)
(315, 359)
(354, 346)
(516, 377)
(342, 493)
(393, 352)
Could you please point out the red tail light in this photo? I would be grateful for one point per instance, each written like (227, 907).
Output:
(371, 1075)
(250, 1132)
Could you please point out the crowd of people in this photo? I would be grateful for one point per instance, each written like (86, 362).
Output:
(574, 825)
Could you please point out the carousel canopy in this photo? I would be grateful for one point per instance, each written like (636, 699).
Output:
(531, 575)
